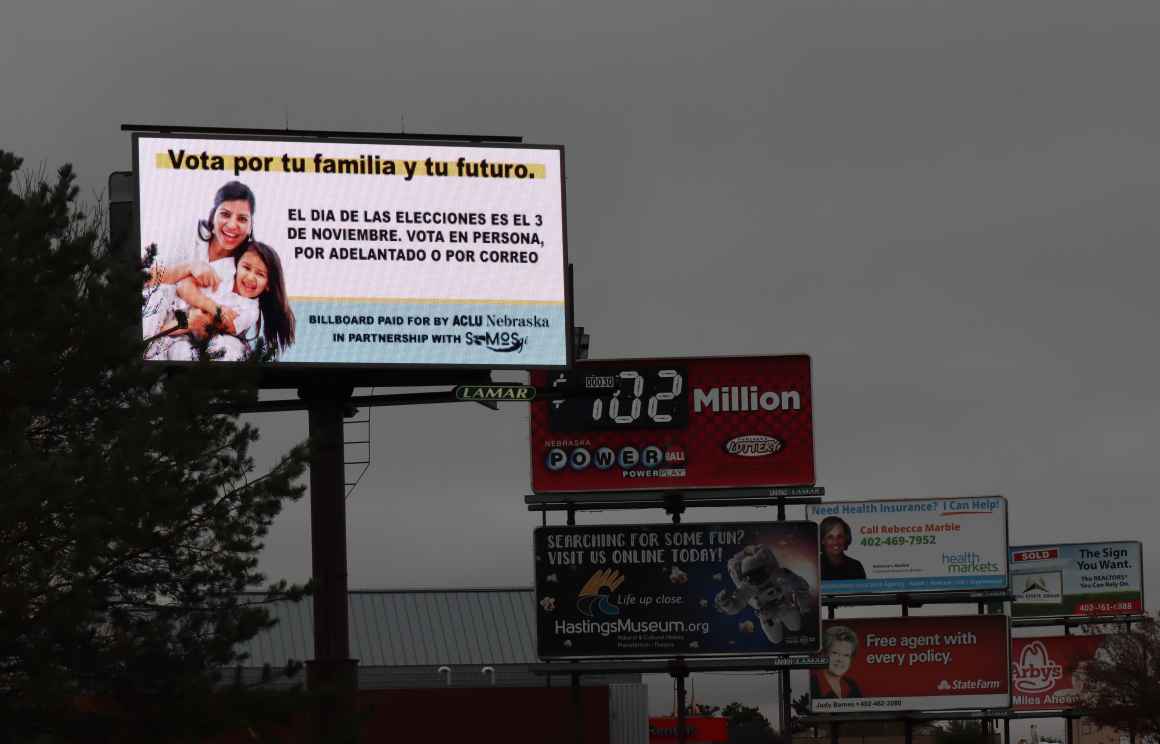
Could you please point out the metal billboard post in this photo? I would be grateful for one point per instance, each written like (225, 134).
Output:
(331, 674)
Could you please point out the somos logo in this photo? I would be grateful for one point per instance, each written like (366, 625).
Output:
(504, 342)
(1035, 671)
(596, 594)
(753, 445)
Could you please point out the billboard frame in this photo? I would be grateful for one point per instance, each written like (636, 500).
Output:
(929, 596)
(595, 495)
(654, 658)
(292, 370)
(931, 714)
(1039, 621)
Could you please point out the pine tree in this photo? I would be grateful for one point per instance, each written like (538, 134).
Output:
(130, 519)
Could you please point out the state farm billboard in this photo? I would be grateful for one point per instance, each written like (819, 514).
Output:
(916, 545)
(1077, 580)
(348, 253)
(912, 664)
(1043, 671)
(667, 590)
(685, 423)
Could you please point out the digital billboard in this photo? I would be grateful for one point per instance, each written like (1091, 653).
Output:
(667, 590)
(1076, 580)
(1044, 670)
(687, 423)
(901, 664)
(918, 545)
(347, 253)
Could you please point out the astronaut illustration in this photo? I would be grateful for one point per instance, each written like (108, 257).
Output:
(776, 594)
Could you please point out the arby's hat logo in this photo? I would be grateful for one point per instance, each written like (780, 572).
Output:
(1035, 671)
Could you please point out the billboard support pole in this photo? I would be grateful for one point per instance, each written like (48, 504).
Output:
(908, 731)
(331, 674)
(578, 707)
(679, 673)
(674, 506)
(785, 711)
(1007, 732)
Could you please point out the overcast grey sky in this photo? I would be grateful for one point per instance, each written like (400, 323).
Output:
(951, 206)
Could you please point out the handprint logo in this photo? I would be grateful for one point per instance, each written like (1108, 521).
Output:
(598, 591)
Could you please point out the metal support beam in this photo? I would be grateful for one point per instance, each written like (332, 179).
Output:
(332, 674)
(682, 718)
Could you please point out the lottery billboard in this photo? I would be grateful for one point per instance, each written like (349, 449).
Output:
(905, 664)
(919, 545)
(687, 423)
(1044, 671)
(659, 591)
(1077, 580)
(347, 253)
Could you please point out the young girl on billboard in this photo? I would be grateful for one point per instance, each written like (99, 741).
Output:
(257, 309)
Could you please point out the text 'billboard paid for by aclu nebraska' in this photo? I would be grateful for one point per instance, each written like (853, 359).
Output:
(913, 546)
(327, 252)
(1044, 671)
(1078, 579)
(677, 590)
(914, 663)
(689, 423)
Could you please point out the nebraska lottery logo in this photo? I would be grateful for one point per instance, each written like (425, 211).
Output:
(753, 445)
(1035, 671)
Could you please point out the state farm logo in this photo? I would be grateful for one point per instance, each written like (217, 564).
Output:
(753, 445)
(1035, 671)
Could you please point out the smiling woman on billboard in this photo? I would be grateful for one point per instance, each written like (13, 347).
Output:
(836, 539)
(231, 286)
(840, 644)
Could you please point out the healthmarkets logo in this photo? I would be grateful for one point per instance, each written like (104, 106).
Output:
(969, 562)
(596, 594)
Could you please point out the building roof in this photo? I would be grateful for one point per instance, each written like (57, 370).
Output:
(415, 627)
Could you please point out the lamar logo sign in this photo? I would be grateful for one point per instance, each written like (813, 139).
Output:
(1035, 671)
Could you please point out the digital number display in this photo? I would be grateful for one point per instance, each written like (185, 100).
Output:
(617, 399)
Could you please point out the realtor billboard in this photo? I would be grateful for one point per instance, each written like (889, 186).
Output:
(1044, 670)
(659, 591)
(918, 545)
(913, 664)
(1077, 580)
(347, 253)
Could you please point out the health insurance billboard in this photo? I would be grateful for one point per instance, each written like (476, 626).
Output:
(918, 545)
(346, 253)
(1044, 670)
(665, 590)
(912, 664)
(686, 423)
(1077, 580)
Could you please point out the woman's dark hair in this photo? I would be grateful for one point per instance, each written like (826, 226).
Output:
(232, 191)
(830, 523)
(277, 319)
